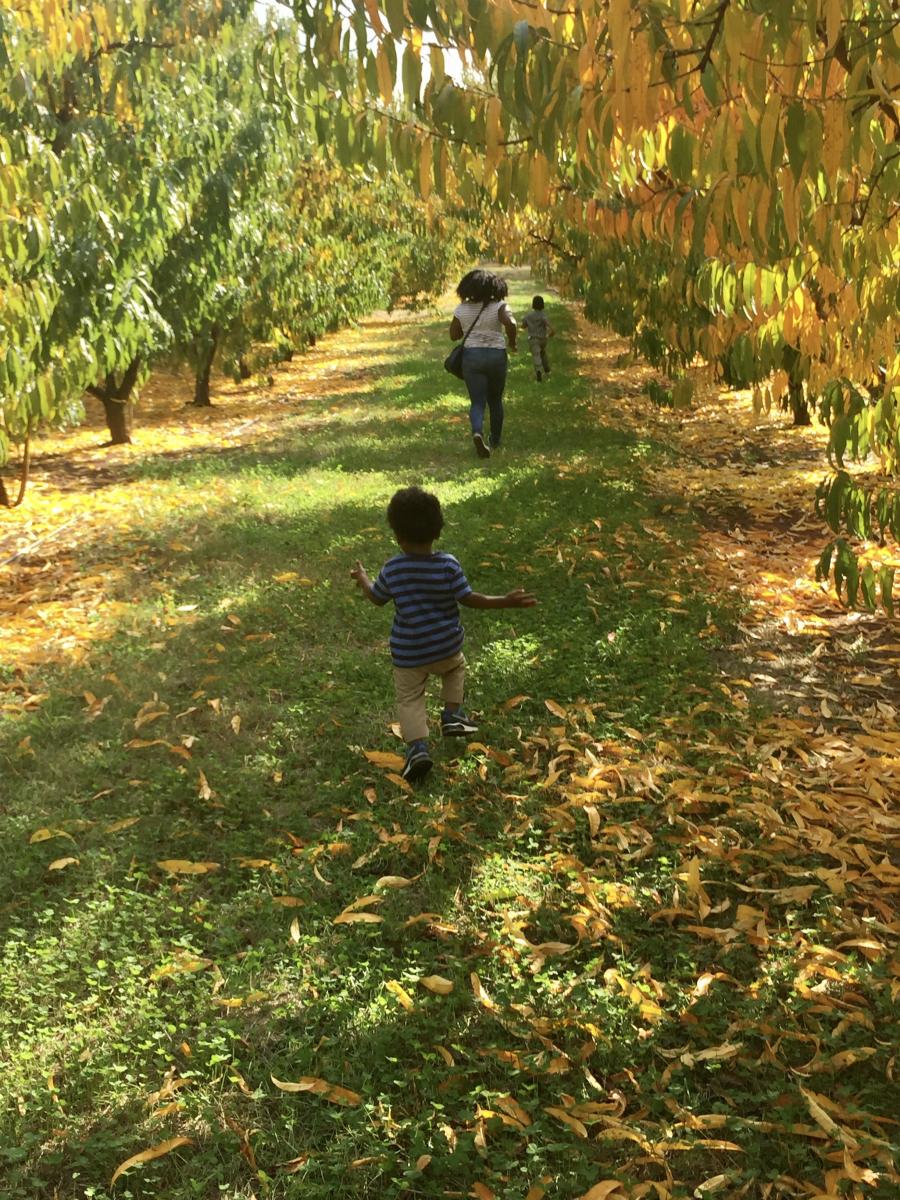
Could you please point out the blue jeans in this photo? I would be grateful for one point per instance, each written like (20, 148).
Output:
(484, 370)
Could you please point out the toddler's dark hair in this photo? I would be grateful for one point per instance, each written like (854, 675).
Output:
(415, 516)
(538, 303)
(482, 287)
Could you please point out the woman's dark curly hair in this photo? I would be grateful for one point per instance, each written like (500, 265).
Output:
(482, 287)
(415, 516)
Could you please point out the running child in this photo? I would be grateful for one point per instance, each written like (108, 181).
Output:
(426, 638)
(539, 329)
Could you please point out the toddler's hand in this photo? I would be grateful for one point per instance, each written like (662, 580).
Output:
(519, 598)
(358, 572)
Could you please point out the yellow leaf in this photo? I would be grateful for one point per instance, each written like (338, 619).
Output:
(393, 881)
(123, 824)
(182, 966)
(236, 723)
(45, 835)
(480, 993)
(556, 709)
(822, 1119)
(399, 780)
(181, 866)
(204, 791)
(438, 984)
(359, 918)
(295, 930)
(445, 1054)
(148, 1155)
(285, 577)
(422, 1161)
(572, 1122)
(481, 1191)
(383, 758)
(288, 901)
(601, 1190)
(514, 702)
(513, 1108)
(401, 993)
(321, 1087)
(59, 864)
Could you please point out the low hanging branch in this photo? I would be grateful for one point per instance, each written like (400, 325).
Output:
(5, 500)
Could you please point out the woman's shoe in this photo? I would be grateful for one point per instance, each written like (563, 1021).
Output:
(481, 448)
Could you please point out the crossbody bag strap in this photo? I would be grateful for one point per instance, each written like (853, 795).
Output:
(474, 323)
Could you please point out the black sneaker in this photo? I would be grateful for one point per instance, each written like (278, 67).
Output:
(457, 724)
(481, 448)
(540, 377)
(418, 762)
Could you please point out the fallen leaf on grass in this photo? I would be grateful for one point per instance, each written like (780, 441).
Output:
(321, 1087)
(182, 866)
(481, 1191)
(437, 984)
(393, 881)
(383, 758)
(285, 577)
(60, 864)
(293, 1165)
(45, 835)
(400, 781)
(185, 965)
(572, 1122)
(236, 723)
(403, 996)
(601, 1190)
(204, 791)
(288, 901)
(422, 1161)
(480, 993)
(125, 823)
(556, 709)
(822, 1119)
(357, 918)
(149, 1155)
(514, 1109)
(514, 702)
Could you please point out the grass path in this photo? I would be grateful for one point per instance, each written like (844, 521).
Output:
(657, 960)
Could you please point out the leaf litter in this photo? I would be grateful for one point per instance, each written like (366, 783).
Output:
(723, 886)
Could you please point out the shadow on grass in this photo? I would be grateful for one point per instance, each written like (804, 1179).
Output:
(255, 693)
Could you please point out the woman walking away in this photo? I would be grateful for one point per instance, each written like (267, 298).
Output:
(485, 321)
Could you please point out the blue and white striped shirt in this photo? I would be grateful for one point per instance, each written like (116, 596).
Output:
(424, 589)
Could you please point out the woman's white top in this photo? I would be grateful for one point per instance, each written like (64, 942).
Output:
(489, 333)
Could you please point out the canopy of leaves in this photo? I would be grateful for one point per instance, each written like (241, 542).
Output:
(721, 180)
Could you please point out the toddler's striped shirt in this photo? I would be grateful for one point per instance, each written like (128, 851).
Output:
(424, 589)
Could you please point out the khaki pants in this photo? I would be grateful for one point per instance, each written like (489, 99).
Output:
(409, 683)
(538, 348)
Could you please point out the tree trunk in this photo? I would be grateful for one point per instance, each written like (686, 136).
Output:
(799, 405)
(118, 421)
(244, 371)
(312, 339)
(5, 501)
(201, 383)
(116, 401)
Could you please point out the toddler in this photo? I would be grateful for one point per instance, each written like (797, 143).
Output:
(539, 329)
(426, 638)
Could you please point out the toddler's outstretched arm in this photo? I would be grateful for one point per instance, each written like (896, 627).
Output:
(517, 598)
(358, 572)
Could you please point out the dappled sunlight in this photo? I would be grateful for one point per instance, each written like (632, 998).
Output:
(643, 918)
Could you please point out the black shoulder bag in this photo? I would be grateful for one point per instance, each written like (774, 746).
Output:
(453, 361)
